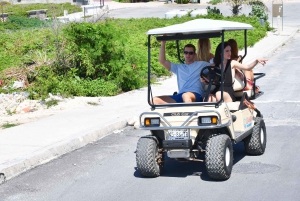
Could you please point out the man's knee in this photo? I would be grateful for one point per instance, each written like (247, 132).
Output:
(188, 97)
(156, 100)
(163, 100)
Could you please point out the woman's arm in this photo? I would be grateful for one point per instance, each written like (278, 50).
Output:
(236, 64)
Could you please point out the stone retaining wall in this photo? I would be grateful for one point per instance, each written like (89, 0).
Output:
(41, 14)
(3, 17)
(41, 1)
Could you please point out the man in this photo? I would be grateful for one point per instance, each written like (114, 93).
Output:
(188, 76)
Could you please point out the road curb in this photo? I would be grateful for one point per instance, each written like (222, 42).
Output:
(270, 52)
(47, 154)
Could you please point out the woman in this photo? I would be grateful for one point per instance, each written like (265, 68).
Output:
(234, 56)
(229, 67)
(204, 50)
(234, 50)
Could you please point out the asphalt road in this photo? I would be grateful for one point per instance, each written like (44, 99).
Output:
(291, 8)
(159, 12)
(106, 169)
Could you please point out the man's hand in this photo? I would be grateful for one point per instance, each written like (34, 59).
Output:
(163, 42)
(204, 80)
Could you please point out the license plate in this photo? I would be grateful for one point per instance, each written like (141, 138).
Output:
(178, 134)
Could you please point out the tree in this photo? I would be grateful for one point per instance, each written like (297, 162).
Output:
(236, 5)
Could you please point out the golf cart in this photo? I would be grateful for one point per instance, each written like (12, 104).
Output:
(183, 130)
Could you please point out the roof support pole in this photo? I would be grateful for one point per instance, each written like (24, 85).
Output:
(222, 68)
(245, 43)
(149, 72)
(178, 51)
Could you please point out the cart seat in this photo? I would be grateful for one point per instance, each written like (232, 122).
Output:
(239, 94)
(233, 106)
(239, 84)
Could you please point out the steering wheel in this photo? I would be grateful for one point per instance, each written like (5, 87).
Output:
(212, 75)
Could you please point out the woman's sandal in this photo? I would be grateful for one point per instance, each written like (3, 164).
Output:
(249, 86)
(257, 89)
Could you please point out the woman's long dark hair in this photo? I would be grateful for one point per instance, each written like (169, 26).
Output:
(217, 58)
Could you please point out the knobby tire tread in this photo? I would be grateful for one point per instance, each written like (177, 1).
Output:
(214, 157)
(145, 156)
(252, 143)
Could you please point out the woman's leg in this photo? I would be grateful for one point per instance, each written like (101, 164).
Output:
(250, 80)
(212, 98)
(226, 96)
(249, 74)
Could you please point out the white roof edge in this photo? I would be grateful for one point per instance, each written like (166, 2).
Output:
(201, 26)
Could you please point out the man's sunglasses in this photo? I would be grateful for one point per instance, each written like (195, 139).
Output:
(190, 53)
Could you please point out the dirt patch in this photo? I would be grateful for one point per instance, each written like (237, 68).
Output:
(24, 111)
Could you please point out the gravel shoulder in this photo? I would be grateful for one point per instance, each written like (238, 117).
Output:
(20, 111)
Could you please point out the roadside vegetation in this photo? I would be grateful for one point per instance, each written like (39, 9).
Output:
(86, 59)
(215, 2)
(8, 125)
(53, 9)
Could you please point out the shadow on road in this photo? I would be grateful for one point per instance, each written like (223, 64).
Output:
(174, 168)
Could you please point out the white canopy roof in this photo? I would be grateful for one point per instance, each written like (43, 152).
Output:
(200, 26)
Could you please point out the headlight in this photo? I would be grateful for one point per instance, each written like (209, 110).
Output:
(207, 120)
(152, 122)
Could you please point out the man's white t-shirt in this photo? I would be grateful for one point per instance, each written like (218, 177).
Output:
(188, 76)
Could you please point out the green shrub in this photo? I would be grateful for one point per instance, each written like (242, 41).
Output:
(44, 83)
(94, 47)
(99, 87)
(19, 21)
(259, 3)
(9, 26)
(215, 2)
(182, 1)
(9, 125)
(213, 10)
(100, 59)
(100, 51)
(23, 47)
(259, 12)
(69, 85)
(51, 103)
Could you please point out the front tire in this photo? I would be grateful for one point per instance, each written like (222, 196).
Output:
(148, 159)
(219, 157)
(255, 144)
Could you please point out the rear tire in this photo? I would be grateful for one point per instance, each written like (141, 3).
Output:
(147, 157)
(255, 144)
(219, 157)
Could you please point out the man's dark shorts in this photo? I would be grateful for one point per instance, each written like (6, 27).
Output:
(178, 97)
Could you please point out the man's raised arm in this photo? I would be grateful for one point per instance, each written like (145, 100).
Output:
(162, 56)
